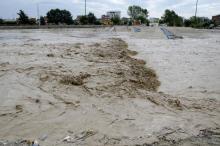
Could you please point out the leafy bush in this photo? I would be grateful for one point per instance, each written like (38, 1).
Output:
(198, 22)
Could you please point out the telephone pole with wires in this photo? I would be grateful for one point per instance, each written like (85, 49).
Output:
(85, 7)
(38, 14)
(196, 8)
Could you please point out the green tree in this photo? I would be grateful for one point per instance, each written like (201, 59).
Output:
(42, 21)
(23, 18)
(88, 19)
(98, 22)
(116, 20)
(187, 23)
(57, 16)
(66, 17)
(136, 11)
(91, 18)
(83, 20)
(143, 20)
(200, 22)
(1, 21)
(54, 16)
(178, 21)
(171, 18)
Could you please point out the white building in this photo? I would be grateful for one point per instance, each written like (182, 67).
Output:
(154, 20)
(113, 14)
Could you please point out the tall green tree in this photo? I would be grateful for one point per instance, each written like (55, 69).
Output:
(116, 20)
(57, 16)
(67, 17)
(136, 11)
(143, 20)
(171, 18)
(23, 18)
(42, 21)
(91, 18)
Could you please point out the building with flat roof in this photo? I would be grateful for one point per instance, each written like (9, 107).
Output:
(106, 20)
(154, 20)
(216, 19)
(113, 14)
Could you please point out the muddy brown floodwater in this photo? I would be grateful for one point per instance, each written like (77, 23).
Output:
(87, 87)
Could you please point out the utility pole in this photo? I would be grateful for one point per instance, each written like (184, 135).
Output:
(85, 7)
(196, 8)
(38, 14)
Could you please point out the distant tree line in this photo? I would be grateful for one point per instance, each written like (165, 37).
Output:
(199, 22)
(136, 13)
(57, 16)
(170, 18)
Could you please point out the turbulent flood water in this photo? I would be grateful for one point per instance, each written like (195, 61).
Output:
(87, 87)
(187, 67)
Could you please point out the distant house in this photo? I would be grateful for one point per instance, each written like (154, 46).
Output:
(106, 20)
(113, 14)
(216, 19)
(136, 22)
(205, 19)
(154, 21)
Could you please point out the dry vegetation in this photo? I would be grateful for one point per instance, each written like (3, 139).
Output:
(74, 80)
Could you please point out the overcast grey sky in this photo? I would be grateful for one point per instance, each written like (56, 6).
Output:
(186, 8)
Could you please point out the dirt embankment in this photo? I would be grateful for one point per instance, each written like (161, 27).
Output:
(100, 87)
